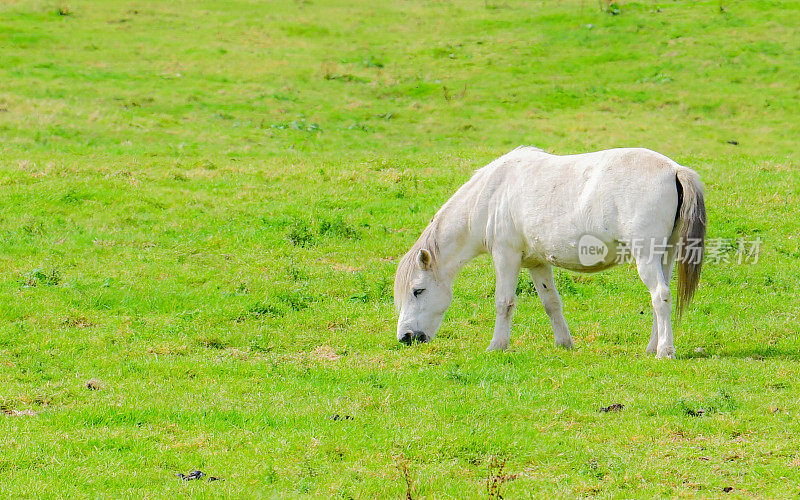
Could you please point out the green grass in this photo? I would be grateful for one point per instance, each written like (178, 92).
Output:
(202, 207)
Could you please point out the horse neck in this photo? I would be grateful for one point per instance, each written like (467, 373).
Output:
(457, 246)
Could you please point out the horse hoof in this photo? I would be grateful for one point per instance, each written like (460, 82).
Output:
(497, 347)
(569, 345)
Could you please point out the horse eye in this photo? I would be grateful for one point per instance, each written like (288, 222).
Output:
(418, 291)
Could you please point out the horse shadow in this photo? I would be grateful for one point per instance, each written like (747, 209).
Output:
(753, 353)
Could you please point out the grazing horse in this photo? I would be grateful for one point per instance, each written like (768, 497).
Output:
(581, 212)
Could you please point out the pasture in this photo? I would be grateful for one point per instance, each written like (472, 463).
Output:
(202, 205)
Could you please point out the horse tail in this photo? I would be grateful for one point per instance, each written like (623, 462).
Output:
(691, 215)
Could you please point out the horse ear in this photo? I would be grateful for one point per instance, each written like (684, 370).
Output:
(424, 259)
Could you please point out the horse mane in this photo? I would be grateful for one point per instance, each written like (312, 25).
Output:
(429, 240)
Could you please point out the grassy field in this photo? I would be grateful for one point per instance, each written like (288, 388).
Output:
(203, 203)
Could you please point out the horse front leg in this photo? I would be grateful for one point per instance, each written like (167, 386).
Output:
(507, 264)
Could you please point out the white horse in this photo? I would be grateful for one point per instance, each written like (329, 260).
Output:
(581, 212)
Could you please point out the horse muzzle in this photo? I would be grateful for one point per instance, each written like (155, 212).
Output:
(409, 338)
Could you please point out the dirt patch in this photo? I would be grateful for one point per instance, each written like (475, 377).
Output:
(325, 353)
(95, 384)
(19, 413)
(196, 475)
(77, 322)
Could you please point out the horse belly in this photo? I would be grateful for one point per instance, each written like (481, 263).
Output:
(583, 251)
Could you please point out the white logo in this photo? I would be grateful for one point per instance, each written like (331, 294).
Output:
(591, 251)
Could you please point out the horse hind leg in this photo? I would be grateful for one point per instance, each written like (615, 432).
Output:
(653, 344)
(667, 265)
(652, 275)
(546, 288)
